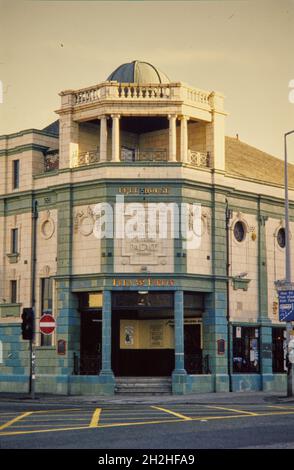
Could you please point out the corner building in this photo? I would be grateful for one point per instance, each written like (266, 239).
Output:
(148, 315)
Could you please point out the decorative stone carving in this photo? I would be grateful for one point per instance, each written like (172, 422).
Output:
(205, 223)
(144, 251)
(45, 271)
(84, 222)
(47, 227)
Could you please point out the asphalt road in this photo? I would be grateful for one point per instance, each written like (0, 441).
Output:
(146, 426)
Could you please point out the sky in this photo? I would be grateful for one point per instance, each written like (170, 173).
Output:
(242, 48)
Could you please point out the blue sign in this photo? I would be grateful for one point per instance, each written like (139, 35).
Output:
(286, 305)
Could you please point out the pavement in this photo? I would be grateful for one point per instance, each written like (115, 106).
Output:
(233, 397)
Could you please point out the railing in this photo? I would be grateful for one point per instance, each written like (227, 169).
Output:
(197, 364)
(199, 159)
(87, 364)
(195, 95)
(91, 364)
(133, 91)
(51, 161)
(144, 155)
(87, 95)
(144, 92)
(86, 158)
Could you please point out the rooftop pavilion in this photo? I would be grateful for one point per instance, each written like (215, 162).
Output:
(138, 114)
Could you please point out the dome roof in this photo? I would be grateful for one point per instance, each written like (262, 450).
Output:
(138, 72)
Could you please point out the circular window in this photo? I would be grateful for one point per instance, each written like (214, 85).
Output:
(239, 231)
(281, 237)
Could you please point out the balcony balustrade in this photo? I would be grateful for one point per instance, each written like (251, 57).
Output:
(143, 155)
(86, 158)
(199, 159)
(131, 91)
(51, 161)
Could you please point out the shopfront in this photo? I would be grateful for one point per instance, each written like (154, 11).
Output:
(142, 333)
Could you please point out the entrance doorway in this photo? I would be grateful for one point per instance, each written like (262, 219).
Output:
(91, 342)
(193, 348)
(142, 334)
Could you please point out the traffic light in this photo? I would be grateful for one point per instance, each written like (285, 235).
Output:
(27, 325)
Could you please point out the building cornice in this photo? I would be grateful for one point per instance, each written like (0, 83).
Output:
(24, 148)
(28, 131)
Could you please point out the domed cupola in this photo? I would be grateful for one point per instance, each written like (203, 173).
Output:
(138, 72)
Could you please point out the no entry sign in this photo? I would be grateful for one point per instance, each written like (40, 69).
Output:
(47, 324)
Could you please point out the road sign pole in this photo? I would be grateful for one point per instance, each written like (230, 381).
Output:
(32, 370)
(33, 298)
(288, 263)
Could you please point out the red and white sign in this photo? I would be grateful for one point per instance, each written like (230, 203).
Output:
(47, 324)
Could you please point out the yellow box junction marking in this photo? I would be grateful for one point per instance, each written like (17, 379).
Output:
(57, 411)
(95, 418)
(282, 407)
(169, 421)
(250, 413)
(15, 420)
(178, 415)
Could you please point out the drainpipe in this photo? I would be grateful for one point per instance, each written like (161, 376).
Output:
(33, 296)
(228, 218)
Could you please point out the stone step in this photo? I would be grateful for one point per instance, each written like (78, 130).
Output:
(148, 391)
(144, 390)
(143, 379)
(143, 385)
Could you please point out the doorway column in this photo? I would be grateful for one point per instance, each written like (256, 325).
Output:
(106, 371)
(179, 376)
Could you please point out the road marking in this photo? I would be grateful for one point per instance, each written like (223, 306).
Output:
(14, 420)
(178, 415)
(231, 409)
(88, 428)
(169, 421)
(57, 411)
(95, 418)
(281, 407)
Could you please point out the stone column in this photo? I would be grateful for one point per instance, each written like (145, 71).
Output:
(106, 370)
(103, 138)
(172, 147)
(179, 376)
(215, 132)
(184, 139)
(115, 138)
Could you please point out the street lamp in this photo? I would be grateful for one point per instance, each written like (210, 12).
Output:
(288, 264)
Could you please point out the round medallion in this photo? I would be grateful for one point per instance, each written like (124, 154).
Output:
(86, 226)
(47, 228)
